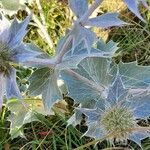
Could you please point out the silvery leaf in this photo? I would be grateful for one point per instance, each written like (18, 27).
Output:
(137, 137)
(97, 70)
(89, 79)
(18, 31)
(133, 6)
(110, 46)
(12, 90)
(72, 120)
(133, 75)
(92, 114)
(4, 29)
(11, 5)
(77, 118)
(25, 52)
(61, 42)
(105, 21)
(72, 59)
(95, 130)
(44, 81)
(117, 92)
(140, 105)
(79, 7)
(81, 33)
(25, 113)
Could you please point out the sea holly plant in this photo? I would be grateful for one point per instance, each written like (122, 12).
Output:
(74, 47)
(13, 51)
(112, 96)
(117, 120)
(94, 75)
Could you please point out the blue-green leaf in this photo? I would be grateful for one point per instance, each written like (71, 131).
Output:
(12, 89)
(79, 7)
(72, 58)
(106, 20)
(140, 105)
(133, 6)
(117, 92)
(138, 136)
(95, 130)
(25, 113)
(132, 74)
(110, 46)
(25, 52)
(18, 31)
(90, 79)
(44, 81)
(81, 33)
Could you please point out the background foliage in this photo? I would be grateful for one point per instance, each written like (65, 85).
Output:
(52, 131)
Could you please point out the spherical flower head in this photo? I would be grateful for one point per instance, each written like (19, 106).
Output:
(118, 119)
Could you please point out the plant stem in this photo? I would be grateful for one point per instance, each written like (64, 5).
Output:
(41, 62)
(139, 91)
(87, 145)
(41, 12)
(64, 49)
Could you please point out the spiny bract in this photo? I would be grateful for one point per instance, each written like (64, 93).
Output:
(12, 51)
(118, 120)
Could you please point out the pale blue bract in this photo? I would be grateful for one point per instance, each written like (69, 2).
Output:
(84, 63)
(11, 36)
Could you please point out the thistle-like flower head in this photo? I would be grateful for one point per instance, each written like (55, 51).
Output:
(12, 51)
(118, 119)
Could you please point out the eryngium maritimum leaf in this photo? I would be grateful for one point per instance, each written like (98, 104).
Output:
(11, 5)
(25, 113)
(118, 120)
(132, 74)
(79, 7)
(133, 6)
(73, 57)
(105, 21)
(44, 81)
(90, 79)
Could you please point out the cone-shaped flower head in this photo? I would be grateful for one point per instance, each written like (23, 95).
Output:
(118, 119)
(12, 51)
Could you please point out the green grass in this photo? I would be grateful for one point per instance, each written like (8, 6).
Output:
(52, 132)
(133, 39)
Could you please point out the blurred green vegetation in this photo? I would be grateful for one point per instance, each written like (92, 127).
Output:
(57, 22)
(52, 133)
